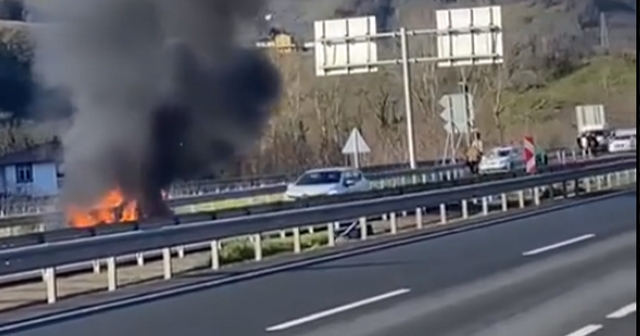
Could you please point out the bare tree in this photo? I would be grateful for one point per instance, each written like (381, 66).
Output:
(388, 120)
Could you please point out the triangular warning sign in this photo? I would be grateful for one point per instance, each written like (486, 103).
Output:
(355, 144)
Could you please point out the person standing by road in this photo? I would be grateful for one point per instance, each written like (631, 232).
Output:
(474, 153)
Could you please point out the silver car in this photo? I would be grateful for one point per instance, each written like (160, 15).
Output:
(502, 159)
(327, 181)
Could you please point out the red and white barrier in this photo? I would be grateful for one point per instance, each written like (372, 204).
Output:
(529, 155)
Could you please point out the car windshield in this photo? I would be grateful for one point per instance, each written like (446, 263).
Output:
(321, 177)
(502, 152)
(623, 137)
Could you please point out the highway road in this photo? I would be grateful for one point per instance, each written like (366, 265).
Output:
(570, 272)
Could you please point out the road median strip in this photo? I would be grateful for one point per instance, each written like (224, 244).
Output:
(233, 252)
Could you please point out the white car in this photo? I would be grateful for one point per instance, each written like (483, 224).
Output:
(327, 181)
(622, 143)
(502, 159)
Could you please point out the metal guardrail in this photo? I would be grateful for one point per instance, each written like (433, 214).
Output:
(49, 256)
(12, 207)
(74, 233)
(199, 190)
(381, 179)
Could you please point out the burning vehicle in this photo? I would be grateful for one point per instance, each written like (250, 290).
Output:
(161, 91)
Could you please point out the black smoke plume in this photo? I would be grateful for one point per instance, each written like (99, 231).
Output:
(162, 90)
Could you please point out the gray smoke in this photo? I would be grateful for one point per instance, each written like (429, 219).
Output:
(383, 10)
(162, 90)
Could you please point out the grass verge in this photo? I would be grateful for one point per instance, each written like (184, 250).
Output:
(229, 203)
(599, 81)
(242, 250)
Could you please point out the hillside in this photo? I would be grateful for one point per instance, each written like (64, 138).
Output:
(571, 20)
(549, 111)
(551, 65)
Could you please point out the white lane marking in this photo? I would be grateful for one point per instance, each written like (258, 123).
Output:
(558, 245)
(337, 310)
(623, 312)
(590, 329)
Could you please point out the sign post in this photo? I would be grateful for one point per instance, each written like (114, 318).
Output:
(355, 146)
(465, 37)
(529, 155)
(456, 117)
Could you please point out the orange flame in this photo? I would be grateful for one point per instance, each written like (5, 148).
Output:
(112, 208)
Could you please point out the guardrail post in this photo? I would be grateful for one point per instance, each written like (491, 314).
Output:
(257, 247)
(598, 182)
(485, 205)
(297, 244)
(565, 190)
(419, 218)
(166, 263)
(363, 228)
(536, 195)
(52, 284)
(465, 209)
(393, 222)
(505, 202)
(96, 266)
(331, 235)
(609, 180)
(283, 234)
(180, 250)
(215, 255)
(443, 213)
(140, 259)
(521, 198)
(112, 274)
(587, 185)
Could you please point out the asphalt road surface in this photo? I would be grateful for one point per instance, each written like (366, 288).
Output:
(570, 272)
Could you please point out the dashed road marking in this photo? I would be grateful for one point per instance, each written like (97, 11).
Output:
(587, 330)
(337, 310)
(558, 245)
(623, 312)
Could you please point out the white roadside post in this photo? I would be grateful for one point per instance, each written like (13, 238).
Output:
(51, 283)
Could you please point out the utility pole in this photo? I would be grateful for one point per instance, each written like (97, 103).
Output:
(604, 32)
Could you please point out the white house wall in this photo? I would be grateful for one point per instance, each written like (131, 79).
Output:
(3, 179)
(10, 179)
(45, 180)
